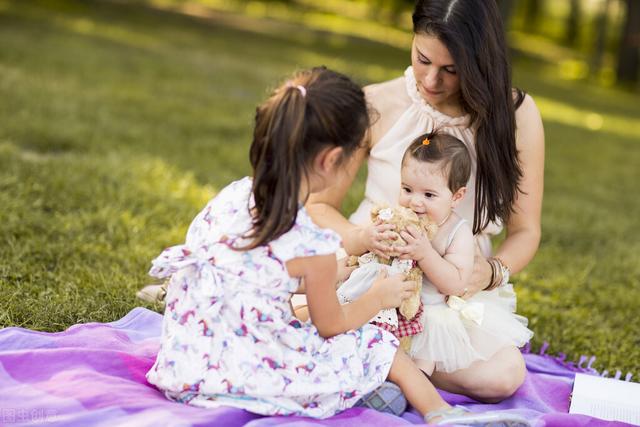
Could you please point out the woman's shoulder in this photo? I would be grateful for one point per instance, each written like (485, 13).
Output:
(388, 100)
(529, 122)
(525, 105)
(387, 95)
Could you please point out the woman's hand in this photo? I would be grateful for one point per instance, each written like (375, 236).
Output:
(481, 276)
(372, 237)
(391, 291)
(418, 244)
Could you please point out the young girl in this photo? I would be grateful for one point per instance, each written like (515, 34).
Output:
(456, 332)
(229, 336)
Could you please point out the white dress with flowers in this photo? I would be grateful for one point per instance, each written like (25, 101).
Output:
(229, 336)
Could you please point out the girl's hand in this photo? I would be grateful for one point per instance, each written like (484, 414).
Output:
(391, 291)
(418, 244)
(373, 236)
(344, 271)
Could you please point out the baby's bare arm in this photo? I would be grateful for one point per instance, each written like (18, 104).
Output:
(450, 273)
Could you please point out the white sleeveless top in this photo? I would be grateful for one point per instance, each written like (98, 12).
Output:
(383, 179)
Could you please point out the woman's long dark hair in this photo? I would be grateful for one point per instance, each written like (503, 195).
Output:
(472, 31)
(315, 109)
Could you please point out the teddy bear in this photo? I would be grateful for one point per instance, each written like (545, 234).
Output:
(401, 217)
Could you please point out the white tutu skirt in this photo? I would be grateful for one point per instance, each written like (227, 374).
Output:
(455, 338)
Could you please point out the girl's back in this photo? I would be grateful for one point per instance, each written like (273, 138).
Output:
(229, 336)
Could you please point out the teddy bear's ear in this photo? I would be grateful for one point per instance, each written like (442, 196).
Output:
(374, 212)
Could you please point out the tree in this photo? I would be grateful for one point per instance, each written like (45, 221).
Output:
(629, 53)
(532, 15)
(601, 24)
(573, 23)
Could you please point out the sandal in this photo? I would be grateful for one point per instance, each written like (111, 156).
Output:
(154, 293)
(461, 416)
(386, 398)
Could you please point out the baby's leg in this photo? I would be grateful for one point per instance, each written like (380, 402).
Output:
(425, 366)
(416, 387)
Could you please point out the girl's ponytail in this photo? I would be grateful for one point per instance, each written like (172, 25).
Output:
(315, 109)
(276, 170)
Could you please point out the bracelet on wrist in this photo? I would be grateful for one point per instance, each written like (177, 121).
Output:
(493, 276)
(501, 276)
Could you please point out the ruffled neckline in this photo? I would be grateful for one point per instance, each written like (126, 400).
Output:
(443, 119)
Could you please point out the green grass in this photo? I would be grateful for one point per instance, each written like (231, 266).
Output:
(118, 122)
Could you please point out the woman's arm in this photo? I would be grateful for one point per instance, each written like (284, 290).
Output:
(523, 228)
(331, 318)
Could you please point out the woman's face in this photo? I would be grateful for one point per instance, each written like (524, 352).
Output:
(435, 73)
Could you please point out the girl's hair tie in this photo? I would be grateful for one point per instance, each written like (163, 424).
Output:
(426, 141)
(302, 89)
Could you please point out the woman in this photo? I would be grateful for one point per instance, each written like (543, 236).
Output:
(459, 81)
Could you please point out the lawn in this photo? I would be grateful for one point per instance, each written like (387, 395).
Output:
(119, 121)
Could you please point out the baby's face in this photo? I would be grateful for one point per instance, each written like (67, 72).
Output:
(424, 189)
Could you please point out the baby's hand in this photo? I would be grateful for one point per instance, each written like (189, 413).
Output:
(392, 290)
(417, 244)
(374, 235)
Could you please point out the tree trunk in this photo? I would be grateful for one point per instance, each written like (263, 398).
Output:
(602, 21)
(532, 15)
(573, 23)
(629, 53)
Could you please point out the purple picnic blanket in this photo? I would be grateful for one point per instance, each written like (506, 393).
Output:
(94, 374)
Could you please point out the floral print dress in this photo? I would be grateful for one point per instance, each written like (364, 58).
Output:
(229, 336)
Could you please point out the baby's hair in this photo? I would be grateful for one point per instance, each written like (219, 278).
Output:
(434, 147)
(315, 109)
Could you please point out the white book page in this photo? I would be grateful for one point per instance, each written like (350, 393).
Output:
(606, 398)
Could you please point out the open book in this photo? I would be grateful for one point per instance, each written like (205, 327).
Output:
(606, 398)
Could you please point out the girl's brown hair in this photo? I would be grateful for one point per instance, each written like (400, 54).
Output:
(315, 109)
(472, 32)
(436, 147)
